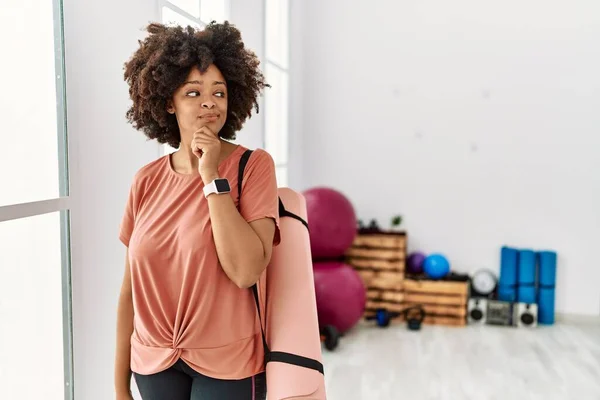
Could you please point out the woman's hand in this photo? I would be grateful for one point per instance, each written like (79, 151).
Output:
(206, 145)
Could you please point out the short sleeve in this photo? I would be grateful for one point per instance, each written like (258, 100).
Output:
(259, 197)
(128, 220)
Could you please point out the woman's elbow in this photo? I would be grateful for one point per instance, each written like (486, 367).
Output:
(245, 282)
(248, 275)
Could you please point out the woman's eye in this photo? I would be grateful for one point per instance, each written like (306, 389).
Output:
(195, 93)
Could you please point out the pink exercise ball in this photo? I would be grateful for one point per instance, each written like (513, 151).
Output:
(331, 221)
(341, 295)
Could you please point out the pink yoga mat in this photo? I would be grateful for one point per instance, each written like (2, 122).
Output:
(291, 309)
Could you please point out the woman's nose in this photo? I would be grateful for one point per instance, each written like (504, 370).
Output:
(208, 105)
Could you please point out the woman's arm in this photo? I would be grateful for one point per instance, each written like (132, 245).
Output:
(244, 249)
(124, 331)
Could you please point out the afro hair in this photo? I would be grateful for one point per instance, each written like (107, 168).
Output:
(162, 63)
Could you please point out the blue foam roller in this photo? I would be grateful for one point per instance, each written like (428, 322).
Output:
(526, 294)
(526, 269)
(507, 293)
(546, 306)
(547, 274)
(508, 266)
(546, 289)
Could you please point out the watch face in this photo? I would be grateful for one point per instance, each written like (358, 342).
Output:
(222, 185)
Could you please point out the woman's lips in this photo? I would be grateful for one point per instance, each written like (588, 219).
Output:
(209, 117)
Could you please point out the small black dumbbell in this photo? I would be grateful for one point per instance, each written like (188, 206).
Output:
(330, 336)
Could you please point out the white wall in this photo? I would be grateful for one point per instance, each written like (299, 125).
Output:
(296, 92)
(248, 17)
(426, 90)
(105, 154)
(433, 98)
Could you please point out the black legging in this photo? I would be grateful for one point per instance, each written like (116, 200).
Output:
(180, 382)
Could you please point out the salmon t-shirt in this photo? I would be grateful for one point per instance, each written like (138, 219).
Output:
(185, 306)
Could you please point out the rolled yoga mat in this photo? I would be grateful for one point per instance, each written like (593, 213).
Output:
(507, 282)
(526, 290)
(546, 289)
(291, 308)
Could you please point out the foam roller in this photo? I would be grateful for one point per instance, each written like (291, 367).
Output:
(547, 284)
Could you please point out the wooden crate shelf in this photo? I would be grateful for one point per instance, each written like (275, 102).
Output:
(379, 258)
(444, 301)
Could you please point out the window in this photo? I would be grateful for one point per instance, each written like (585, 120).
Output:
(197, 13)
(31, 299)
(212, 10)
(277, 75)
(172, 17)
(191, 7)
(35, 291)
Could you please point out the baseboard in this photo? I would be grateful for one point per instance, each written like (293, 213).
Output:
(579, 319)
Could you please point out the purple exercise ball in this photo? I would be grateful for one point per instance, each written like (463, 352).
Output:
(414, 263)
(331, 222)
(341, 295)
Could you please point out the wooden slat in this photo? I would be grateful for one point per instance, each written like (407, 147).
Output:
(391, 276)
(380, 241)
(375, 254)
(374, 295)
(366, 276)
(433, 299)
(386, 282)
(436, 287)
(373, 305)
(385, 265)
(381, 280)
(456, 311)
(396, 296)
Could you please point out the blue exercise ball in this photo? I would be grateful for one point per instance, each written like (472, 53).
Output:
(436, 266)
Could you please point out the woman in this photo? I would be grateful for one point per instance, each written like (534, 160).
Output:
(187, 326)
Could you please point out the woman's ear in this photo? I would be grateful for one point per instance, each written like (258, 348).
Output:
(170, 108)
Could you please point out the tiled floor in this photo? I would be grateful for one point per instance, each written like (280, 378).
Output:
(475, 362)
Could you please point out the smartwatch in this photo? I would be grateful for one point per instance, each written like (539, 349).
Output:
(218, 186)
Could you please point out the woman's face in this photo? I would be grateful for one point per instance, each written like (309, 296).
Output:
(200, 101)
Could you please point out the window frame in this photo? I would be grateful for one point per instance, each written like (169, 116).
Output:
(286, 72)
(183, 13)
(62, 204)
